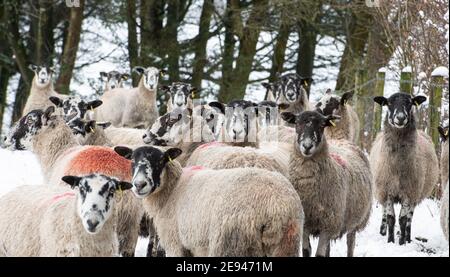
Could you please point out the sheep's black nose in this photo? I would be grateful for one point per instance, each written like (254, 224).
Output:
(307, 146)
(140, 185)
(92, 224)
(401, 118)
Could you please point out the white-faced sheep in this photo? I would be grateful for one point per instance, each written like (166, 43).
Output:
(404, 164)
(59, 154)
(132, 108)
(41, 89)
(444, 155)
(348, 126)
(113, 79)
(237, 212)
(52, 221)
(180, 96)
(333, 180)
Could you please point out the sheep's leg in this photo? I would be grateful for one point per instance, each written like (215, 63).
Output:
(328, 250)
(324, 244)
(306, 244)
(160, 252)
(390, 220)
(383, 227)
(351, 243)
(152, 238)
(408, 224)
(403, 221)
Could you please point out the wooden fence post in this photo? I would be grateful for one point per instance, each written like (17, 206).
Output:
(435, 102)
(406, 84)
(379, 91)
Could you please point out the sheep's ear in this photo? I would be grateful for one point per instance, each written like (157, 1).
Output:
(192, 92)
(289, 117)
(217, 105)
(33, 67)
(163, 72)
(47, 116)
(346, 97)
(443, 132)
(93, 104)
(329, 91)
(104, 125)
(306, 82)
(419, 100)
(125, 76)
(172, 154)
(139, 70)
(52, 69)
(90, 126)
(382, 101)
(124, 152)
(123, 186)
(331, 120)
(103, 74)
(73, 181)
(56, 100)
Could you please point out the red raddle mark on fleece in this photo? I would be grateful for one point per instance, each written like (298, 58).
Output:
(100, 160)
(339, 160)
(211, 144)
(189, 171)
(62, 196)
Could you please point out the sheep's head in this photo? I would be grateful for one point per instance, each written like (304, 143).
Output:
(22, 133)
(83, 130)
(148, 164)
(310, 126)
(74, 107)
(400, 108)
(213, 115)
(180, 94)
(168, 128)
(332, 104)
(291, 87)
(150, 76)
(114, 79)
(43, 75)
(95, 198)
(240, 121)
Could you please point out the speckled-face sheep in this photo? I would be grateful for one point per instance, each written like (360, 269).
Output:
(199, 212)
(135, 107)
(444, 155)
(41, 89)
(113, 79)
(404, 164)
(52, 221)
(59, 154)
(348, 126)
(74, 108)
(333, 180)
(180, 95)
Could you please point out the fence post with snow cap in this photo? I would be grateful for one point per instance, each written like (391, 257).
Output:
(435, 102)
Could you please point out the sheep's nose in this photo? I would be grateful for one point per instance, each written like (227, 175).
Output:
(144, 136)
(140, 185)
(401, 118)
(92, 224)
(307, 146)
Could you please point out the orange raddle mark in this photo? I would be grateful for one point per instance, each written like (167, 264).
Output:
(211, 144)
(100, 160)
(339, 160)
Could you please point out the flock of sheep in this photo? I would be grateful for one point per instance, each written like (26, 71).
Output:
(211, 179)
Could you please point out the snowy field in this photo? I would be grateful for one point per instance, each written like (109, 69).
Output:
(22, 168)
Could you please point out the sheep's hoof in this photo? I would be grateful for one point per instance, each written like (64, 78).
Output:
(401, 241)
(306, 253)
(391, 239)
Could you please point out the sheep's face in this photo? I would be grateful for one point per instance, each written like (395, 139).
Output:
(150, 76)
(310, 127)
(95, 198)
(400, 108)
(240, 119)
(167, 129)
(180, 93)
(43, 75)
(114, 79)
(148, 164)
(83, 130)
(213, 115)
(291, 88)
(22, 133)
(74, 107)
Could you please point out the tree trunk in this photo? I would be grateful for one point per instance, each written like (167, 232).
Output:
(71, 48)
(171, 44)
(4, 79)
(280, 49)
(44, 39)
(306, 51)
(133, 47)
(202, 41)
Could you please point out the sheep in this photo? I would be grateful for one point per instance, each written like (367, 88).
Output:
(52, 221)
(444, 212)
(133, 108)
(41, 89)
(180, 95)
(444, 155)
(199, 212)
(269, 128)
(59, 154)
(404, 164)
(333, 180)
(114, 79)
(348, 126)
(74, 108)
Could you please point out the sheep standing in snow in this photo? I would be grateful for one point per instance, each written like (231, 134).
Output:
(348, 126)
(180, 95)
(113, 79)
(444, 155)
(236, 212)
(132, 108)
(404, 164)
(52, 221)
(59, 155)
(333, 180)
(41, 89)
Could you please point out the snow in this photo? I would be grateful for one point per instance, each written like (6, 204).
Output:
(440, 71)
(382, 70)
(407, 69)
(22, 168)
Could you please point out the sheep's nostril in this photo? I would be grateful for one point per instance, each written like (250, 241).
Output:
(92, 224)
(144, 136)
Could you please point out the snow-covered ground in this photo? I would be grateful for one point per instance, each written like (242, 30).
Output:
(22, 168)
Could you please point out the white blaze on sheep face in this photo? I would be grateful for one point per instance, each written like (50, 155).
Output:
(43, 75)
(290, 88)
(95, 199)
